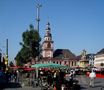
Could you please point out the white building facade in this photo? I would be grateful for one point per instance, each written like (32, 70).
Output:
(99, 59)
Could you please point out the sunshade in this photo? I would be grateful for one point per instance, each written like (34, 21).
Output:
(48, 65)
(16, 67)
(29, 69)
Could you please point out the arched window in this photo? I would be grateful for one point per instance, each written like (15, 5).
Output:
(60, 62)
(65, 62)
(72, 63)
(69, 63)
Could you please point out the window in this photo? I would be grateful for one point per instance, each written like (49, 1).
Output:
(72, 63)
(54, 62)
(69, 63)
(65, 62)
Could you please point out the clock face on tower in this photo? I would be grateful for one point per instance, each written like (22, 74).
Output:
(49, 45)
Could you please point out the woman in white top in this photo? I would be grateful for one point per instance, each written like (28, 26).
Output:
(92, 76)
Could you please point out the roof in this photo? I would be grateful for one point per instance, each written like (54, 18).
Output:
(63, 54)
(79, 57)
(90, 56)
(101, 51)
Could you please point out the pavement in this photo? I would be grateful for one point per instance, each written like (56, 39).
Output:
(83, 82)
(17, 86)
(23, 88)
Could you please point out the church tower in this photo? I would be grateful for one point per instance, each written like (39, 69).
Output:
(47, 47)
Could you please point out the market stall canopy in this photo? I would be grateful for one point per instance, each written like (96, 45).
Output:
(48, 65)
(16, 67)
(29, 69)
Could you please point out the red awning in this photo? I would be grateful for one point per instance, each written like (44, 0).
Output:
(16, 67)
(29, 69)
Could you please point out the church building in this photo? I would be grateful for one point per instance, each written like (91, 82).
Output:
(59, 56)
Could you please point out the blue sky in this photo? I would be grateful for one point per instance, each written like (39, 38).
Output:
(75, 24)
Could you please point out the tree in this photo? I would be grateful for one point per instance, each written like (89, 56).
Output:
(30, 45)
(11, 64)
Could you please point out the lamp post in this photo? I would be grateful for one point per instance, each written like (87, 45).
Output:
(38, 5)
(2, 62)
(6, 59)
(38, 14)
(0, 58)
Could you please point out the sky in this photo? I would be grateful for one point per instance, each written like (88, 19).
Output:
(75, 24)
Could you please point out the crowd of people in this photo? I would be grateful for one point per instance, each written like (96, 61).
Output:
(58, 78)
(61, 79)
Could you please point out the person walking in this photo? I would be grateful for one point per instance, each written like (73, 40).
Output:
(92, 76)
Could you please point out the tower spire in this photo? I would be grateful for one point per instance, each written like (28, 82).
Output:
(47, 47)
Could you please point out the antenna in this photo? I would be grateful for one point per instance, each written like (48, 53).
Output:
(38, 5)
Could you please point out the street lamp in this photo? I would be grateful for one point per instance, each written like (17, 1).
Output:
(6, 56)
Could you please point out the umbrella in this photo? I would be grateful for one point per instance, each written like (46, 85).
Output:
(48, 65)
(41, 65)
(54, 65)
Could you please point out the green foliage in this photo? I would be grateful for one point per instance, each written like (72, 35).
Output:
(11, 64)
(31, 36)
(30, 44)
(19, 59)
